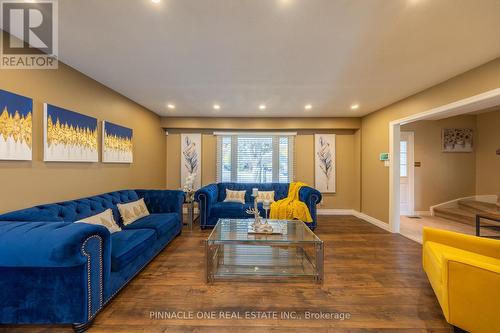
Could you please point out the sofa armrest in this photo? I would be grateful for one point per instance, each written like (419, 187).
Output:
(471, 292)
(311, 197)
(207, 194)
(48, 244)
(206, 197)
(54, 270)
(163, 201)
(483, 246)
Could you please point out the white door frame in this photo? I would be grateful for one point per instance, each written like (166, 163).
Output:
(478, 102)
(410, 159)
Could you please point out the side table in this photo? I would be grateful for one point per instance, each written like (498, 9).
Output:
(491, 217)
(189, 201)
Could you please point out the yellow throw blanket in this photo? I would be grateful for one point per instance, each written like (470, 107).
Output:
(291, 207)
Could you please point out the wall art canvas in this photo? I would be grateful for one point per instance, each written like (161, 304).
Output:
(457, 140)
(191, 159)
(116, 143)
(324, 162)
(16, 126)
(69, 136)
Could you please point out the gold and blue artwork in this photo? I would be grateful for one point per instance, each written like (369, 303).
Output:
(16, 126)
(116, 143)
(69, 136)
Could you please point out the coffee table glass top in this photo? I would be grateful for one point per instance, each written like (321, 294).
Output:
(236, 230)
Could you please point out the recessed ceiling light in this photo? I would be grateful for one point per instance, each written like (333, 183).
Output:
(308, 107)
(216, 107)
(171, 106)
(354, 106)
(155, 1)
(262, 107)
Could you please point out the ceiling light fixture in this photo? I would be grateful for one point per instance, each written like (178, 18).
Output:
(354, 106)
(216, 107)
(262, 107)
(171, 106)
(308, 107)
(155, 1)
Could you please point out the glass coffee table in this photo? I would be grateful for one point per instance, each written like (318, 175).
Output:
(295, 253)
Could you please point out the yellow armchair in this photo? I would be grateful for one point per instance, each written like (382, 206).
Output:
(464, 272)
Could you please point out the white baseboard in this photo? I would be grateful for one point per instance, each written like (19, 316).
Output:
(354, 212)
(327, 211)
(491, 198)
(374, 221)
(423, 213)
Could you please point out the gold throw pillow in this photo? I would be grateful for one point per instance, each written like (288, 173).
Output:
(265, 195)
(235, 196)
(132, 211)
(105, 219)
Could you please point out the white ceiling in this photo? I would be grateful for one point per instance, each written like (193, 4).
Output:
(284, 53)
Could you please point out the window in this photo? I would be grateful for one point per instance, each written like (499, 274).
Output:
(247, 158)
(403, 159)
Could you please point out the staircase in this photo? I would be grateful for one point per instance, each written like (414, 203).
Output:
(464, 211)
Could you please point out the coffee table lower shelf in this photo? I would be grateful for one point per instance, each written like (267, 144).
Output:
(269, 262)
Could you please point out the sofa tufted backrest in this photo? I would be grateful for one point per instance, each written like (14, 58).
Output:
(74, 210)
(280, 189)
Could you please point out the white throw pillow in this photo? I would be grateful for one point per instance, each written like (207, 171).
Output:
(235, 196)
(132, 211)
(105, 219)
(265, 195)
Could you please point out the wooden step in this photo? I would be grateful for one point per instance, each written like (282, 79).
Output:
(456, 214)
(475, 206)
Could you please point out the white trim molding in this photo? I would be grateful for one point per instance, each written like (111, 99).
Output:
(219, 133)
(359, 215)
(491, 198)
(477, 102)
(374, 221)
(327, 211)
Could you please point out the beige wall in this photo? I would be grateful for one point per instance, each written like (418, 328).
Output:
(24, 184)
(347, 145)
(375, 130)
(347, 194)
(487, 162)
(362, 180)
(442, 176)
(208, 159)
(264, 123)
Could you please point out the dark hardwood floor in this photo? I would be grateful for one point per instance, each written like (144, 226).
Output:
(373, 275)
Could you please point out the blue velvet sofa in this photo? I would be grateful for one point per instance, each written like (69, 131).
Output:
(212, 206)
(59, 272)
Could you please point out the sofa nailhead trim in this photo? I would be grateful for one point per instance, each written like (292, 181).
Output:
(89, 287)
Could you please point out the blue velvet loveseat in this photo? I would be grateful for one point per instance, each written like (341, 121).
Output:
(59, 272)
(212, 206)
